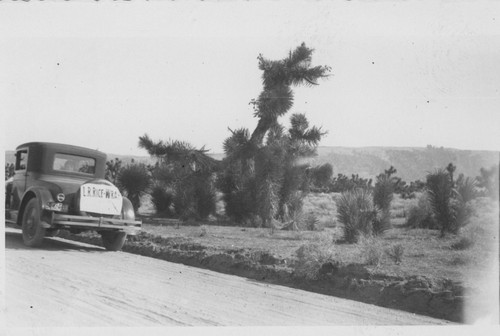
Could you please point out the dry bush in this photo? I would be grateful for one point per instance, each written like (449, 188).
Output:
(396, 252)
(203, 231)
(468, 236)
(310, 258)
(371, 250)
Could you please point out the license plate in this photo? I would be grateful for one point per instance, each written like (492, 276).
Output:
(53, 206)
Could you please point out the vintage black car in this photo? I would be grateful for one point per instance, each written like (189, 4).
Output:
(57, 186)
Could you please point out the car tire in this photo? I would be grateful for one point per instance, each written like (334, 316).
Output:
(113, 240)
(33, 231)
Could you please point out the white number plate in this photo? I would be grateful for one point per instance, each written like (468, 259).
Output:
(100, 198)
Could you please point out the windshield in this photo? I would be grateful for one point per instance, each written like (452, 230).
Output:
(74, 163)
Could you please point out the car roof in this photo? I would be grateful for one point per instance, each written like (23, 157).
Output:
(60, 147)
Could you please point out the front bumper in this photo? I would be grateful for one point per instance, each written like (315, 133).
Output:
(131, 227)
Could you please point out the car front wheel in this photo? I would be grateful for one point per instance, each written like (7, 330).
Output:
(33, 231)
(113, 240)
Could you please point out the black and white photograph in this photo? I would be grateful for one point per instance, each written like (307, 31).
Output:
(269, 167)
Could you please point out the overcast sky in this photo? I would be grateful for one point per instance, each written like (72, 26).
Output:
(99, 75)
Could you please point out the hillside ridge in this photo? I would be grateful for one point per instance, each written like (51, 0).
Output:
(412, 163)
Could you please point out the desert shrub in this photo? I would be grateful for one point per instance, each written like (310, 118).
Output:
(488, 182)
(444, 206)
(381, 222)
(450, 202)
(162, 199)
(195, 196)
(311, 222)
(239, 196)
(188, 172)
(467, 188)
(292, 212)
(383, 193)
(462, 243)
(310, 258)
(420, 216)
(410, 191)
(355, 210)
(205, 197)
(468, 236)
(342, 183)
(371, 250)
(113, 168)
(203, 231)
(396, 252)
(9, 170)
(134, 180)
(321, 176)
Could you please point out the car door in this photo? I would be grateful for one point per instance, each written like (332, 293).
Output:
(20, 176)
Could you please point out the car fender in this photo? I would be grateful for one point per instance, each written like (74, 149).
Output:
(43, 196)
(127, 209)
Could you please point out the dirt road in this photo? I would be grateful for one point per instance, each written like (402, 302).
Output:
(72, 284)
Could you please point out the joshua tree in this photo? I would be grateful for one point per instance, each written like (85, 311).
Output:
(186, 171)
(260, 171)
(134, 180)
(113, 168)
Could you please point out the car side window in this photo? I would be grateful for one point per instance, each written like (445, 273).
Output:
(21, 159)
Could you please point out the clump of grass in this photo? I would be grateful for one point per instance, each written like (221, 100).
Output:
(371, 250)
(396, 252)
(310, 258)
(203, 231)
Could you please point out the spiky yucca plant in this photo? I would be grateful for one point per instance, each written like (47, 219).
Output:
(134, 179)
(383, 194)
(355, 210)
(440, 191)
(450, 203)
(162, 199)
(467, 188)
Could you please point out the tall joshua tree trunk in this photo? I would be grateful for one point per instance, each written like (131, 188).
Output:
(276, 100)
(255, 164)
